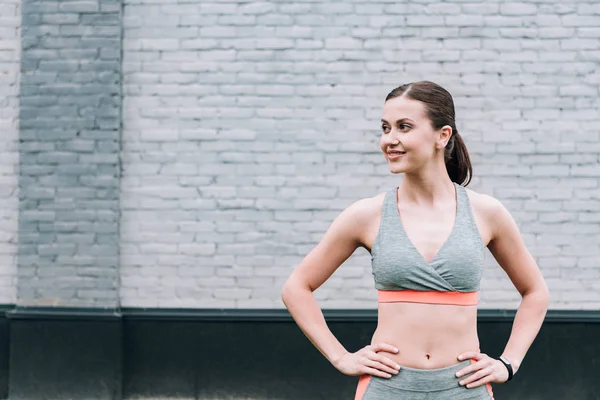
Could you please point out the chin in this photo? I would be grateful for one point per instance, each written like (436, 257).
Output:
(394, 169)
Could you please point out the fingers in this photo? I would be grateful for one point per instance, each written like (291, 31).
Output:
(482, 373)
(383, 347)
(467, 370)
(379, 366)
(378, 362)
(376, 372)
(470, 354)
(485, 380)
(384, 360)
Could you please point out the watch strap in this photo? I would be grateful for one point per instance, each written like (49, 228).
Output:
(508, 366)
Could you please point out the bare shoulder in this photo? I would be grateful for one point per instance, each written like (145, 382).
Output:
(366, 212)
(484, 202)
(365, 209)
(488, 212)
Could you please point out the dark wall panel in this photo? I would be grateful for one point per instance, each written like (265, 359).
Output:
(235, 354)
(272, 359)
(4, 353)
(160, 358)
(74, 358)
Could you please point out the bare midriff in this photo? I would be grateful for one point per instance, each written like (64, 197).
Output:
(428, 336)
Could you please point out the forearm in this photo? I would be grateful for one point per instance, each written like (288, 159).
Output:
(527, 323)
(305, 310)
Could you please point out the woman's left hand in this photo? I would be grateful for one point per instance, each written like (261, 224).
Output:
(486, 369)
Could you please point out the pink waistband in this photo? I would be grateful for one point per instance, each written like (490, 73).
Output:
(428, 297)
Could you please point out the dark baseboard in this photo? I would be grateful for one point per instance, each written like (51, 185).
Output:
(52, 353)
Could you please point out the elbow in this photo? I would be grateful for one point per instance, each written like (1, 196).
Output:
(285, 292)
(540, 296)
(544, 295)
(289, 290)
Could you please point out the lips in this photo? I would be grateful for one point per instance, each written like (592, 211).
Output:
(395, 155)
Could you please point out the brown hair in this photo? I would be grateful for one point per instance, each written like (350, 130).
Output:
(439, 107)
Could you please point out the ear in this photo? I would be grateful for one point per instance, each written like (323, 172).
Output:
(444, 136)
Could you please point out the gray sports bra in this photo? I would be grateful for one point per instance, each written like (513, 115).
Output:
(457, 267)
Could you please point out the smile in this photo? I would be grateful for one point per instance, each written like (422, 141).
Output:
(395, 155)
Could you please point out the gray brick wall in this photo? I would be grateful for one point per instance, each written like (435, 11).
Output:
(10, 49)
(70, 104)
(248, 126)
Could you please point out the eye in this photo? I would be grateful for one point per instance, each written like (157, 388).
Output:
(404, 125)
(385, 128)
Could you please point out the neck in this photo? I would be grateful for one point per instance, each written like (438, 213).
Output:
(427, 191)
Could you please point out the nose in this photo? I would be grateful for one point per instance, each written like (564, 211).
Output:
(391, 139)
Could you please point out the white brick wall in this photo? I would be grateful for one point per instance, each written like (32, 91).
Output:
(249, 126)
(10, 48)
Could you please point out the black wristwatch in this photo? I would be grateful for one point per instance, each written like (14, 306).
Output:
(508, 366)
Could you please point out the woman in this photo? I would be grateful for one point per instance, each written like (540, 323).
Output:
(426, 238)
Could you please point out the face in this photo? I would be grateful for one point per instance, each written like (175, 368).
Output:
(408, 141)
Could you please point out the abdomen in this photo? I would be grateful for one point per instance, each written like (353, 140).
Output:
(427, 335)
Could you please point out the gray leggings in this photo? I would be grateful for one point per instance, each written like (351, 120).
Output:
(421, 384)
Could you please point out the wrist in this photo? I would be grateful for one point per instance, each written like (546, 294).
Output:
(508, 365)
(515, 362)
(335, 359)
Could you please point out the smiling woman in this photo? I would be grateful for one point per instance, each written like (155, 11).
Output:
(427, 106)
(427, 238)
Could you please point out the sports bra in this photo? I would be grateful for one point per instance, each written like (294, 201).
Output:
(402, 274)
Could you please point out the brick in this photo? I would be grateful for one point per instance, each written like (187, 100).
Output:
(518, 9)
(579, 21)
(501, 21)
(480, 8)
(79, 6)
(556, 32)
(420, 20)
(464, 20)
(588, 32)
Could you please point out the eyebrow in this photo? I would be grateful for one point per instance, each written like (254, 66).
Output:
(398, 121)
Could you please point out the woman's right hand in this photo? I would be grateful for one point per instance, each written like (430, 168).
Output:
(367, 361)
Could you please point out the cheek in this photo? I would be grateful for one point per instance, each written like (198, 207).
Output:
(422, 154)
(382, 144)
(418, 154)
(419, 145)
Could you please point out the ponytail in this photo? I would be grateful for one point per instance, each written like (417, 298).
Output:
(458, 162)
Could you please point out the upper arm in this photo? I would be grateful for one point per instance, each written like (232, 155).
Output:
(337, 244)
(508, 248)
